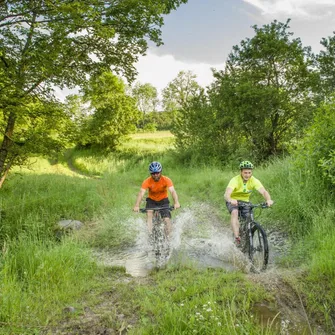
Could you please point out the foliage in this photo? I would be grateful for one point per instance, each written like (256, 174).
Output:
(326, 66)
(113, 113)
(178, 100)
(265, 89)
(64, 42)
(257, 106)
(146, 97)
(178, 93)
(318, 145)
(158, 121)
(42, 128)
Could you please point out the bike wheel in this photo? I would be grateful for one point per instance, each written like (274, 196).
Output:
(160, 243)
(258, 248)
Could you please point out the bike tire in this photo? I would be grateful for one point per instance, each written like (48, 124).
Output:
(258, 248)
(159, 240)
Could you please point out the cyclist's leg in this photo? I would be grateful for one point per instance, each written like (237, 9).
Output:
(150, 204)
(166, 215)
(233, 210)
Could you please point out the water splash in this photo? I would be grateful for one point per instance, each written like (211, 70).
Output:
(199, 236)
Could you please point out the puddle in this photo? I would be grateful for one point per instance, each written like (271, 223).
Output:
(198, 237)
(271, 318)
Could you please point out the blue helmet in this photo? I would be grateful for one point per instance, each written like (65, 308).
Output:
(155, 167)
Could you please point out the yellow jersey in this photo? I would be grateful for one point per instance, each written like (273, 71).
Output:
(241, 190)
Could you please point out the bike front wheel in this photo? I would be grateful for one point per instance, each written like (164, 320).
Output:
(258, 248)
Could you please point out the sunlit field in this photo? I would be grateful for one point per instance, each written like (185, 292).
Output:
(156, 142)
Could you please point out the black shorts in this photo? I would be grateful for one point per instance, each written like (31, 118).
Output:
(242, 212)
(165, 213)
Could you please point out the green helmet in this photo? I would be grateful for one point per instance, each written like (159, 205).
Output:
(246, 165)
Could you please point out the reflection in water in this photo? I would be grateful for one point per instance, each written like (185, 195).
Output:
(269, 317)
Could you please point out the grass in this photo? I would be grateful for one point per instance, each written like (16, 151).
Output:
(35, 266)
(213, 302)
(37, 281)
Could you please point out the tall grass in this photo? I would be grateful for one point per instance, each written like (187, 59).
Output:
(38, 278)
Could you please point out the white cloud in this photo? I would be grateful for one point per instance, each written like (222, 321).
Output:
(295, 8)
(160, 70)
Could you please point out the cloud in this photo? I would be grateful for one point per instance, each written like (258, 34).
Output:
(160, 70)
(309, 9)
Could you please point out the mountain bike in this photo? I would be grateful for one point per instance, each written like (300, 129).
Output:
(158, 238)
(254, 241)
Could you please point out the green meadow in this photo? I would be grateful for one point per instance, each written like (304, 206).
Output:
(41, 274)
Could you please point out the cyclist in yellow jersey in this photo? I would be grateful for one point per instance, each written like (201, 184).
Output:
(239, 189)
(158, 187)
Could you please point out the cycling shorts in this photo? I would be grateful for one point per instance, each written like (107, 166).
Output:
(165, 213)
(243, 212)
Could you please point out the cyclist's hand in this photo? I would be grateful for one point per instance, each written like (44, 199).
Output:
(136, 209)
(176, 205)
(233, 202)
(269, 203)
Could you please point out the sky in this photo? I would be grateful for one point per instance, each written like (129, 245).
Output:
(199, 35)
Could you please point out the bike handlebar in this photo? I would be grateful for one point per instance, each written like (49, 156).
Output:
(250, 205)
(143, 210)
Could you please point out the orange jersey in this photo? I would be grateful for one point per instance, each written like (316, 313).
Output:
(158, 190)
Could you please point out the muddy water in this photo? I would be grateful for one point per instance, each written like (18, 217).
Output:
(198, 237)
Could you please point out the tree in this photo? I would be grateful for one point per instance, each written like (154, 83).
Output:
(42, 128)
(178, 93)
(266, 89)
(147, 101)
(113, 113)
(64, 42)
(177, 98)
(318, 144)
(326, 65)
(146, 97)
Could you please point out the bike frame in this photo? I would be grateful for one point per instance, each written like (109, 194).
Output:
(160, 245)
(254, 233)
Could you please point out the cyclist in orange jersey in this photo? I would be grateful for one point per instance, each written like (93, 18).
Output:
(158, 187)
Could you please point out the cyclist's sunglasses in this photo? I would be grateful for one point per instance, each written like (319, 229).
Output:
(153, 173)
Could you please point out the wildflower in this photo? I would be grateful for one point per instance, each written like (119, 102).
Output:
(219, 323)
(181, 304)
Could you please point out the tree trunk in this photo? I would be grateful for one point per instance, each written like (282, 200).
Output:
(5, 147)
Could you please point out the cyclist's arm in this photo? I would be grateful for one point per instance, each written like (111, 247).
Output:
(227, 197)
(175, 197)
(138, 200)
(266, 195)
